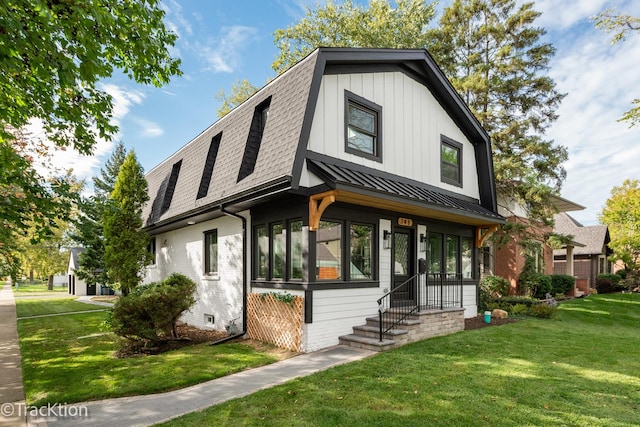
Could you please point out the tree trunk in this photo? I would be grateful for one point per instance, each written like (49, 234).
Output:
(50, 285)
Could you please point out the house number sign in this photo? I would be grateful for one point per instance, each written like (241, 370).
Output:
(405, 222)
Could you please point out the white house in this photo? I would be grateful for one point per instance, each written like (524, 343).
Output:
(77, 286)
(357, 181)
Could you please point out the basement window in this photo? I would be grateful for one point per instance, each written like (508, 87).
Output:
(205, 180)
(252, 147)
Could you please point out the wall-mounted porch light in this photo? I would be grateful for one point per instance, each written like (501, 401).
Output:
(423, 243)
(386, 239)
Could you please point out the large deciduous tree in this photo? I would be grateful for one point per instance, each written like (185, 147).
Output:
(492, 52)
(126, 243)
(53, 55)
(89, 230)
(621, 24)
(380, 25)
(622, 215)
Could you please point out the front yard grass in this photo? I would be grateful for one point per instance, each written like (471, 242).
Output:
(69, 359)
(36, 287)
(581, 369)
(40, 306)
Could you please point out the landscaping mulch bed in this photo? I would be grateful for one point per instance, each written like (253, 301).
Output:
(478, 322)
(189, 335)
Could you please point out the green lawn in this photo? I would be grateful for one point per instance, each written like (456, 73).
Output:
(41, 306)
(69, 359)
(37, 287)
(581, 369)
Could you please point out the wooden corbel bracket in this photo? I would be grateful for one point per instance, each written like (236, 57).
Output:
(482, 234)
(317, 205)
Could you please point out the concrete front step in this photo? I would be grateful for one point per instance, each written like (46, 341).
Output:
(367, 343)
(374, 332)
(375, 321)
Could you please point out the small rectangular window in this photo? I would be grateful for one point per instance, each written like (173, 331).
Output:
(262, 249)
(295, 234)
(211, 252)
(452, 254)
(151, 248)
(362, 127)
(451, 162)
(278, 245)
(329, 251)
(361, 252)
(435, 253)
(467, 258)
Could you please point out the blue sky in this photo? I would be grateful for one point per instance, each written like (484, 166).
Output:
(223, 41)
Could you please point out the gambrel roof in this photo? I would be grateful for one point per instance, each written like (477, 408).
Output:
(211, 170)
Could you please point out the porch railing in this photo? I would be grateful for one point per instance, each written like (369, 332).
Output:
(421, 292)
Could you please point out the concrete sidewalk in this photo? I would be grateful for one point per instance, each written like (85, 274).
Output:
(11, 389)
(155, 408)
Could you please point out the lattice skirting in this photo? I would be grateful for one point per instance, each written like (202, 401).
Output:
(274, 321)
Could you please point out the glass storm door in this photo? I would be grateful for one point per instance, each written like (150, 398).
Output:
(403, 266)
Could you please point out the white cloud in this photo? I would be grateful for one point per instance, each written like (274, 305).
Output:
(84, 166)
(600, 80)
(149, 129)
(175, 20)
(223, 55)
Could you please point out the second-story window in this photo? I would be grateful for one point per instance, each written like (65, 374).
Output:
(451, 162)
(362, 127)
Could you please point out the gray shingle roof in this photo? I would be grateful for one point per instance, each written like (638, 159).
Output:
(593, 237)
(280, 140)
(282, 151)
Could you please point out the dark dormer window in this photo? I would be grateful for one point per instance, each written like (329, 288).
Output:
(362, 127)
(450, 161)
(208, 166)
(171, 186)
(252, 147)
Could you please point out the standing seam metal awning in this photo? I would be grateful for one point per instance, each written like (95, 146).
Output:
(414, 196)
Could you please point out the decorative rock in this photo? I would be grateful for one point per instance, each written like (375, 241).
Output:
(499, 314)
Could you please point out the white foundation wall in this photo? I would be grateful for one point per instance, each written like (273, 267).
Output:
(219, 297)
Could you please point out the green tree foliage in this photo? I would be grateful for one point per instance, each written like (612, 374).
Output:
(48, 256)
(89, 231)
(149, 313)
(126, 251)
(240, 91)
(380, 25)
(622, 215)
(621, 24)
(492, 53)
(53, 55)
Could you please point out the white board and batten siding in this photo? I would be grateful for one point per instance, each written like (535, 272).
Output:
(412, 123)
(182, 251)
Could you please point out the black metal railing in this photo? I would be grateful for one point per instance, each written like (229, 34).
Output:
(435, 291)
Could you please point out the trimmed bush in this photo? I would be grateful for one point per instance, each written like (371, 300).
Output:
(605, 285)
(615, 278)
(561, 284)
(543, 311)
(149, 313)
(495, 286)
(541, 286)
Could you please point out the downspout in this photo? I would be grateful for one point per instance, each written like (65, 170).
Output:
(244, 276)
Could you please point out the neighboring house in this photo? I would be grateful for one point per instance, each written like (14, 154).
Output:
(590, 256)
(77, 286)
(358, 175)
(508, 260)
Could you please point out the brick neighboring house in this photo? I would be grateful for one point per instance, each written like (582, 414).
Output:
(508, 261)
(589, 256)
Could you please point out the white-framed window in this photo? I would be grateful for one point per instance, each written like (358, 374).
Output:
(211, 252)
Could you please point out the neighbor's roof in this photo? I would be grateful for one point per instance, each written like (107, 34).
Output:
(174, 184)
(593, 237)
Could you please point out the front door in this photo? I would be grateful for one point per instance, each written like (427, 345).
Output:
(404, 266)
